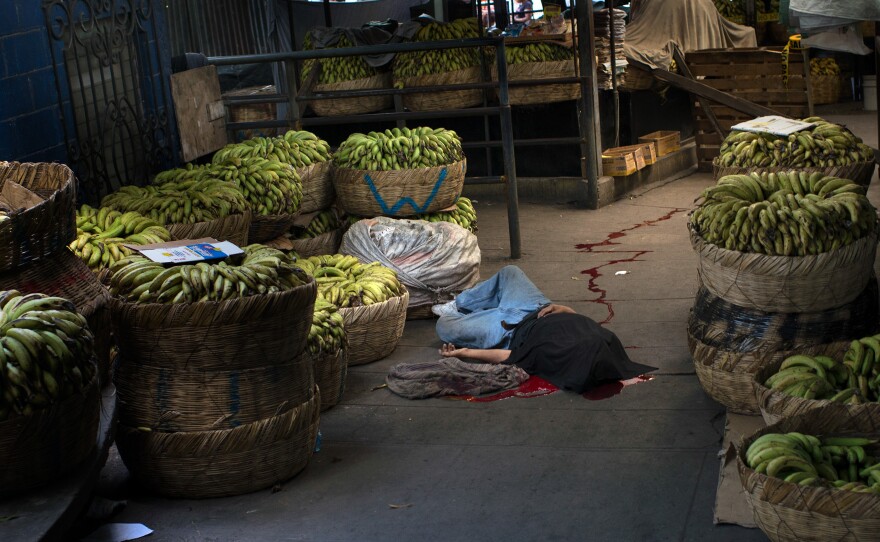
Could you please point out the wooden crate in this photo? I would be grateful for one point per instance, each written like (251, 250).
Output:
(754, 74)
(620, 163)
(649, 151)
(664, 141)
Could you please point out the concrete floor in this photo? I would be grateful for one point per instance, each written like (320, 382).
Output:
(641, 465)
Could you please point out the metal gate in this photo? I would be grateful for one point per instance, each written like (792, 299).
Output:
(112, 72)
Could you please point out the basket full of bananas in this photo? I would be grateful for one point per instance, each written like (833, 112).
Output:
(31, 231)
(814, 476)
(399, 172)
(540, 61)
(328, 350)
(322, 234)
(825, 80)
(785, 242)
(825, 147)
(341, 74)
(370, 298)
(49, 393)
(441, 67)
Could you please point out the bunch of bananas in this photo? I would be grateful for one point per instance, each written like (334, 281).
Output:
(100, 234)
(327, 333)
(537, 52)
(46, 351)
(321, 223)
(335, 69)
(182, 202)
(418, 63)
(345, 282)
(261, 270)
(831, 461)
(270, 187)
(824, 145)
(399, 148)
(464, 215)
(783, 214)
(824, 66)
(854, 381)
(297, 148)
(732, 10)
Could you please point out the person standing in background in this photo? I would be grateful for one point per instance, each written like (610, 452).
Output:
(523, 12)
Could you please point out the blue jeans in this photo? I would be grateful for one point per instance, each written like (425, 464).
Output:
(509, 295)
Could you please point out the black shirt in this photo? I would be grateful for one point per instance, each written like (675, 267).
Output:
(571, 351)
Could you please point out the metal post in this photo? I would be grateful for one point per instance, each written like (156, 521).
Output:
(293, 113)
(328, 21)
(507, 147)
(588, 105)
(876, 77)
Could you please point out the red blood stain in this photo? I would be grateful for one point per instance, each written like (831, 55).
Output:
(610, 389)
(594, 272)
(535, 386)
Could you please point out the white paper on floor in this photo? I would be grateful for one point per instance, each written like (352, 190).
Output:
(118, 532)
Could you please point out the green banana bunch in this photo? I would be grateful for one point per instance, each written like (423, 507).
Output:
(399, 148)
(784, 214)
(824, 145)
(537, 52)
(297, 148)
(345, 282)
(418, 63)
(180, 202)
(102, 233)
(321, 223)
(732, 10)
(839, 462)
(327, 333)
(259, 270)
(46, 351)
(464, 215)
(336, 69)
(824, 66)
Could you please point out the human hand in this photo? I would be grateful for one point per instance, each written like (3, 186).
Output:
(449, 350)
(554, 309)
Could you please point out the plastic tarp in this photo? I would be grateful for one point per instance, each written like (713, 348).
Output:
(658, 26)
(859, 10)
(833, 25)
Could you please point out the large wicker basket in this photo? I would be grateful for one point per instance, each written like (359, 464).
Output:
(540, 94)
(331, 370)
(789, 512)
(267, 227)
(45, 228)
(374, 330)
(776, 405)
(860, 173)
(399, 193)
(326, 243)
(64, 275)
(332, 107)
(317, 187)
(234, 228)
(448, 99)
(39, 448)
(826, 89)
(226, 462)
(783, 283)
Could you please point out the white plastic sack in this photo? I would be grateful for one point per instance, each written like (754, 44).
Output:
(846, 39)
(433, 259)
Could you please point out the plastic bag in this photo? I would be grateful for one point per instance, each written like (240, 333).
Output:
(433, 259)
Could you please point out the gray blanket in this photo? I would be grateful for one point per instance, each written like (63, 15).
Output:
(452, 376)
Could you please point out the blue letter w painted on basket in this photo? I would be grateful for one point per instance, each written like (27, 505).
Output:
(405, 200)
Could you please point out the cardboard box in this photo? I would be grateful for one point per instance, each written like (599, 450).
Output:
(649, 152)
(187, 250)
(622, 163)
(665, 141)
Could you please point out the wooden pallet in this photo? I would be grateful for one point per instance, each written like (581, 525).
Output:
(752, 74)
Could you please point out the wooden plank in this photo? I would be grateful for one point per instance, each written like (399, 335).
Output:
(201, 120)
(704, 91)
(683, 67)
(795, 84)
(732, 70)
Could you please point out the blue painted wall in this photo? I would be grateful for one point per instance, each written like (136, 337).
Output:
(30, 116)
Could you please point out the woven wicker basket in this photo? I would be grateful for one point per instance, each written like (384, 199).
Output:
(39, 448)
(64, 275)
(449, 99)
(787, 284)
(860, 173)
(399, 193)
(317, 188)
(540, 94)
(353, 106)
(826, 89)
(326, 243)
(267, 227)
(232, 228)
(331, 369)
(46, 228)
(635, 78)
(174, 397)
(374, 330)
(788, 512)
(776, 405)
(204, 464)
